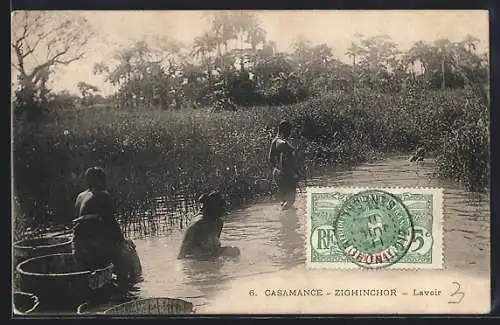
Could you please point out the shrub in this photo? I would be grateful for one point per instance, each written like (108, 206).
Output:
(464, 153)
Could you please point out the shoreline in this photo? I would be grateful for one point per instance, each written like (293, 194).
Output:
(269, 197)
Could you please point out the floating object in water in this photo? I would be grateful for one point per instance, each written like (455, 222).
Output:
(24, 303)
(29, 248)
(145, 306)
(59, 281)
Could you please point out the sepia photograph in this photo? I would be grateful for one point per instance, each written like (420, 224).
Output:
(191, 162)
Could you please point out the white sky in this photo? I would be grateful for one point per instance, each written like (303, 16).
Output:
(334, 27)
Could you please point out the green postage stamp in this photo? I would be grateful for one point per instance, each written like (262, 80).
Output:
(397, 228)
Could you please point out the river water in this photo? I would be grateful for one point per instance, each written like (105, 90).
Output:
(272, 240)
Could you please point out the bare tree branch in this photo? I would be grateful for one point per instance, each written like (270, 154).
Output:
(25, 32)
(16, 67)
(64, 43)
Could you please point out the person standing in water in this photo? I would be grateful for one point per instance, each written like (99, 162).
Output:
(419, 154)
(202, 238)
(283, 161)
(98, 239)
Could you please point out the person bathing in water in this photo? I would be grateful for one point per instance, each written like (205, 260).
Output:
(202, 238)
(98, 239)
(283, 161)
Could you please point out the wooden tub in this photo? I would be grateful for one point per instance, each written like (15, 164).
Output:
(29, 248)
(59, 281)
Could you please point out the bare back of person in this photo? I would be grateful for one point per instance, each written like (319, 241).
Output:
(283, 154)
(96, 231)
(202, 238)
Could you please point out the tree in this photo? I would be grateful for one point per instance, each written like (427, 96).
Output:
(421, 52)
(39, 43)
(300, 44)
(445, 49)
(87, 91)
(470, 42)
(204, 45)
(242, 22)
(473, 68)
(255, 34)
(146, 73)
(268, 49)
(379, 58)
(223, 29)
(322, 55)
(447, 64)
(354, 51)
(302, 54)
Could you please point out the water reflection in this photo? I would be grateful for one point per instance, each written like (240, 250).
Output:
(291, 238)
(206, 276)
(270, 239)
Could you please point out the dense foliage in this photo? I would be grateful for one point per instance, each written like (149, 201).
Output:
(157, 153)
(155, 136)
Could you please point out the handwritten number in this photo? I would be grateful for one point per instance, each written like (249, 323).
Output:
(459, 294)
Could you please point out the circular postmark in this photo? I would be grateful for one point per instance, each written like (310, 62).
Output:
(373, 229)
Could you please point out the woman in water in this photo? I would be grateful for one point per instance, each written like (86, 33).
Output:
(282, 159)
(202, 238)
(98, 239)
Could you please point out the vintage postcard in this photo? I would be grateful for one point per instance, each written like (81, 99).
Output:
(250, 162)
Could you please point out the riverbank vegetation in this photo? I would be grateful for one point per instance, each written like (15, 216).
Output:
(180, 123)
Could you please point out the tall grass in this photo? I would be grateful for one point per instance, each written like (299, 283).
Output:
(165, 153)
(464, 151)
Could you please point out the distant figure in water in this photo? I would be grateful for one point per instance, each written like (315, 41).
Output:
(282, 159)
(418, 155)
(98, 239)
(202, 238)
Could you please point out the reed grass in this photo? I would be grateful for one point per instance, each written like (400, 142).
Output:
(149, 154)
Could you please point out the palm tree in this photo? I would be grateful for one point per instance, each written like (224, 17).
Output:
(444, 47)
(222, 27)
(203, 45)
(354, 51)
(255, 34)
(420, 52)
(242, 22)
(228, 31)
(301, 47)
